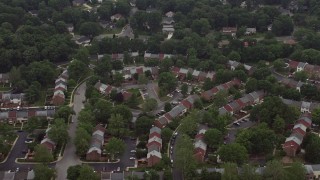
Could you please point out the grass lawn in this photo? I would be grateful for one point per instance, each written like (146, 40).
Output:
(42, 99)
(4, 88)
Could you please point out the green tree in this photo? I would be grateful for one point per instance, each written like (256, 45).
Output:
(77, 70)
(143, 124)
(102, 110)
(220, 99)
(278, 124)
(81, 141)
(233, 153)
(166, 134)
(90, 29)
(208, 84)
(251, 85)
(32, 124)
(33, 92)
(43, 172)
(133, 101)
(316, 116)
(149, 105)
(274, 170)
(167, 107)
(124, 111)
(282, 26)
(201, 26)
(86, 172)
(42, 154)
(117, 126)
(73, 172)
(115, 147)
(301, 76)
(234, 56)
(184, 156)
(58, 132)
(312, 150)
(230, 171)
(184, 89)
(167, 82)
(279, 65)
(189, 124)
(213, 137)
(297, 171)
(63, 113)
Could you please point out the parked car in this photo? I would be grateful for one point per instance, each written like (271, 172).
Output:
(132, 158)
(28, 141)
(133, 151)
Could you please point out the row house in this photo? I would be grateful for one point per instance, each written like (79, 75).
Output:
(47, 142)
(209, 95)
(161, 56)
(311, 70)
(176, 111)
(292, 144)
(129, 72)
(25, 114)
(312, 171)
(4, 78)
(60, 89)
(154, 146)
(96, 144)
(9, 98)
(303, 106)
(234, 64)
(200, 147)
(182, 74)
(238, 104)
(106, 90)
(292, 83)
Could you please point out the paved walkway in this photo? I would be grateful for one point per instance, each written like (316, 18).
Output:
(69, 157)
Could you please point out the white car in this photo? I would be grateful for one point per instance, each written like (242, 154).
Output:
(133, 151)
(132, 158)
(28, 141)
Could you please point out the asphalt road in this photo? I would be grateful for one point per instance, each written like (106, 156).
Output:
(69, 157)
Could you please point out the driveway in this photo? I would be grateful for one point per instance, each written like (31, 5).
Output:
(69, 157)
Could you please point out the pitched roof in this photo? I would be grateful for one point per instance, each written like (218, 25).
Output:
(154, 153)
(155, 129)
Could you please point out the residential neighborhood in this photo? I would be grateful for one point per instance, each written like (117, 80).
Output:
(159, 90)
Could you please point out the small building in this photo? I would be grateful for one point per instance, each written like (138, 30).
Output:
(70, 27)
(83, 40)
(58, 98)
(199, 144)
(250, 31)
(170, 14)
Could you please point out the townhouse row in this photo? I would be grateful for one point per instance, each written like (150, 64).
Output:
(106, 90)
(183, 73)
(235, 64)
(200, 147)
(292, 144)
(209, 95)
(176, 111)
(25, 114)
(97, 141)
(9, 98)
(238, 104)
(312, 70)
(303, 106)
(129, 72)
(60, 89)
(47, 142)
(154, 146)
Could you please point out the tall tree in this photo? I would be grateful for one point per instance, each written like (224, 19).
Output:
(230, 171)
(233, 153)
(213, 137)
(43, 172)
(274, 170)
(87, 172)
(58, 132)
(184, 156)
(115, 147)
(117, 126)
(149, 105)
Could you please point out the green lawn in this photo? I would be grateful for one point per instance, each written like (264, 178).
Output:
(5, 88)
